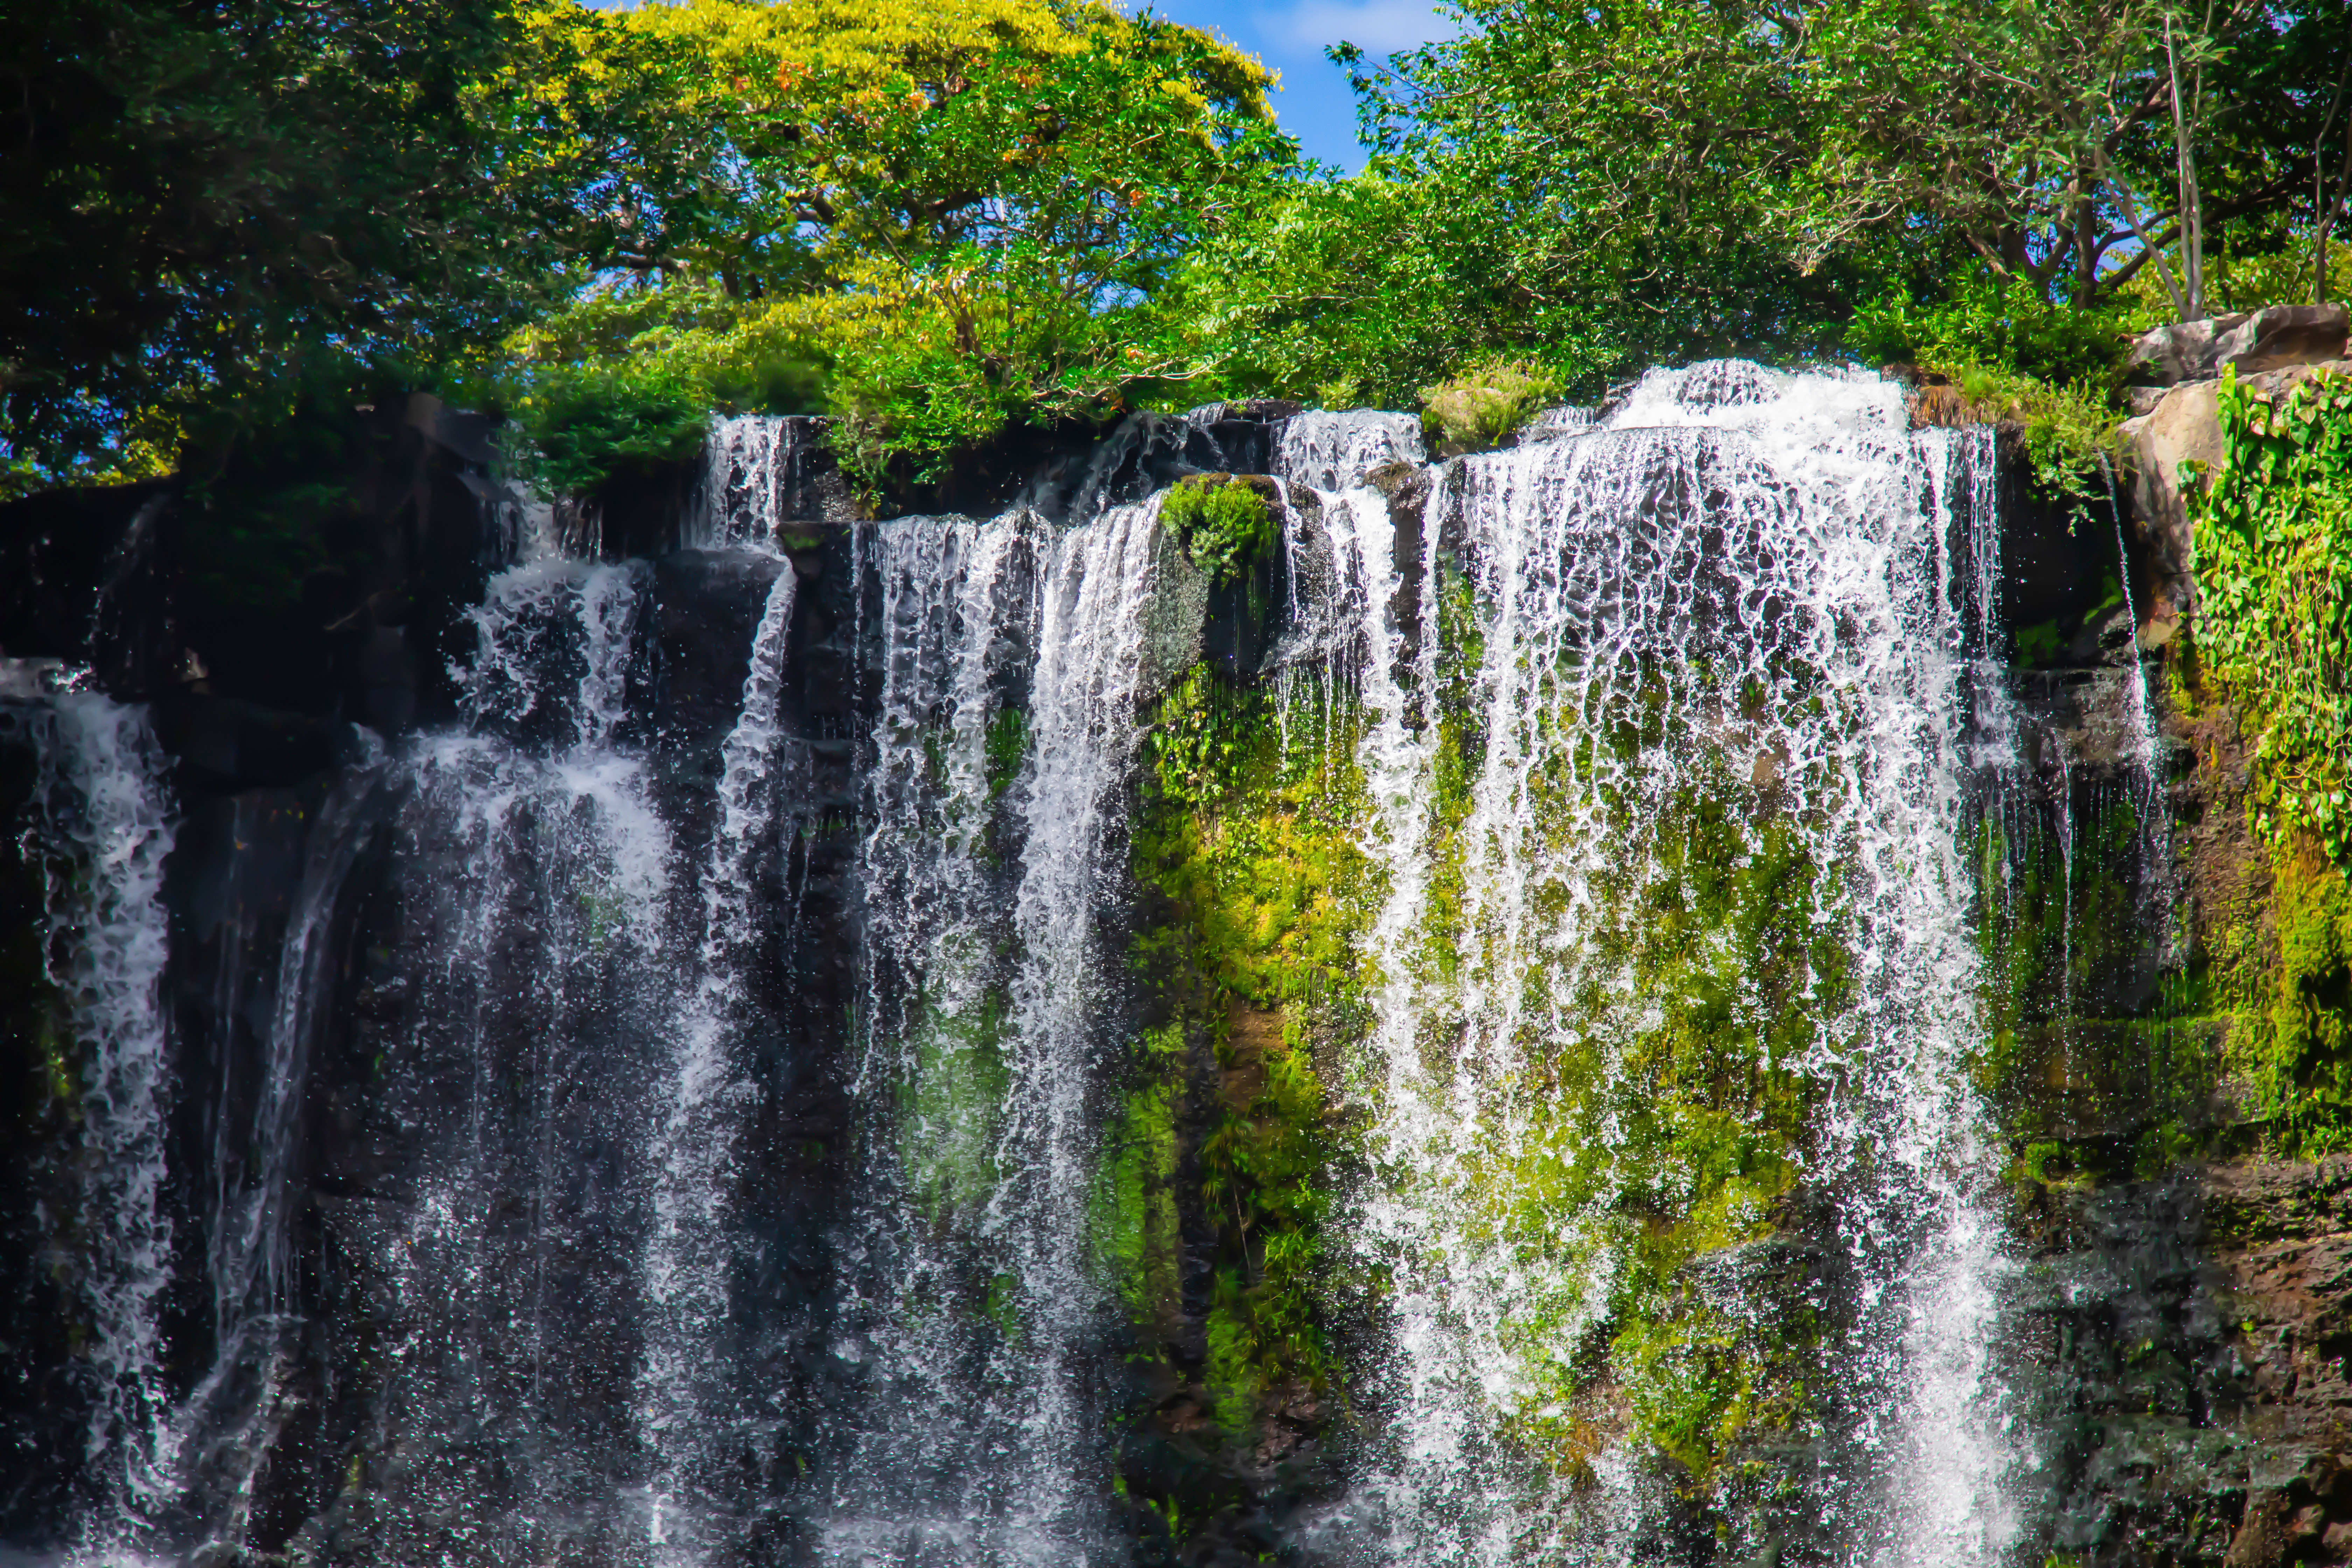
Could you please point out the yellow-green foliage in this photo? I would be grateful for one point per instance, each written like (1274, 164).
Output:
(2273, 536)
(1647, 1136)
(1486, 402)
(931, 220)
(1251, 835)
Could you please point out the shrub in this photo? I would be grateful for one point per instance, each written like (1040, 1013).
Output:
(1221, 524)
(1997, 324)
(1486, 402)
(593, 424)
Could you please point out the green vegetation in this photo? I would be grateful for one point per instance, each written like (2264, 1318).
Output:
(594, 424)
(940, 222)
(952, 217)
(1221, 523)
(204, 201)
(2274, 533)
(1662, 1103)
(1257, 894)
(954, 1100)
(2273, 637)
(2086, 1077)
(1655, 1132)
(1485, 403)
(2291, 1042)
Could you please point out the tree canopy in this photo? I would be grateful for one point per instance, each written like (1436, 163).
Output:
(956, 216)
(193, 197)
(937, 218)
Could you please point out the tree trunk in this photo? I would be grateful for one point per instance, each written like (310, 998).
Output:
(2193, 223)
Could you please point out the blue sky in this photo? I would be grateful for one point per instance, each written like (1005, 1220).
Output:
(1314, 103)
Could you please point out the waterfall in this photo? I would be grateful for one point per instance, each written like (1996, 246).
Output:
(684, 1394)
(941, 1400)
(1788, 645)
(224, 1428)
(988, 861)
(742, 484)
(1333, 452)
(101, 833)
(1083, 725)
(677, 1111)
(759, 472)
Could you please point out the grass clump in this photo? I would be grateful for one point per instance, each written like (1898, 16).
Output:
(1486, 402)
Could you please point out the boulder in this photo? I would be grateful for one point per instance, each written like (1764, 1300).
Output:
(2269, 339)
(2184, 428)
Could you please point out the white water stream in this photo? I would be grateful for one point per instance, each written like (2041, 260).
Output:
(103, 829)
(1729, 530)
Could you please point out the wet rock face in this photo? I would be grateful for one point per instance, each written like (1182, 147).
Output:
(325, 587)
(2195, 1331)
(40, 1402)
(2192, 1320)
(475, 1078)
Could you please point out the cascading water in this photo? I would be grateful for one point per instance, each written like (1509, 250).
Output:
(1650, 1131)
(1084, 693)
(941, 1405)
(988, 864)
(103, 831)
(524, 1011)
(1333, 452)
(683, 1392)
(745, 474)
(1723, 617)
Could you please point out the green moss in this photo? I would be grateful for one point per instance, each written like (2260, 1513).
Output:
(1136, 1225)
(605, 912)
(1221, 524)
(1000, 1306)
(1247, 842)
(2292, 1044)
(2038, 644)
(1659, 1122)
(1005, 747)
(954, 1100)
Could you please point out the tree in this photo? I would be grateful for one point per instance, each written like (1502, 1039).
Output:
(1650, 141)
(961, 210)
(196, 197)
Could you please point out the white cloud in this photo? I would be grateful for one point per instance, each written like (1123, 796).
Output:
(1378, 26)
